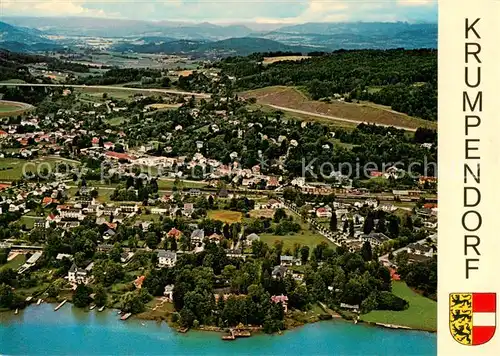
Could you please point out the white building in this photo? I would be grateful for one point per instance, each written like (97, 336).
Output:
(166, 258)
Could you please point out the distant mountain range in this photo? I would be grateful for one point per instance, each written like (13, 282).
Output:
(32, 34)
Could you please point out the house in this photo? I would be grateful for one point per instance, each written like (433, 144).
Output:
(174, 233)
(108, 234)
(197, 236)
(274, 204)
(251, 238)
(169, 291)
(78, 275)
(126, 257)
(237, 253)
(323, 213)
(354, 307)
(166, 258)
(138, 282)
(279, 272)
(166, 198)
(375, 238)
(159, 211)
(283, 299)
(61, 256)
(289, 261)
(419, 249)
(194, 192)
(215, 238)
(188, 209)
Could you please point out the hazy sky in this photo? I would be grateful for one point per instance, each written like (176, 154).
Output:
(271, 11)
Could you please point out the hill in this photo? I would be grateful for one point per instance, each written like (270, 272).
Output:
(24, 39)
(404, 80)
(358, 35)
(240, 46)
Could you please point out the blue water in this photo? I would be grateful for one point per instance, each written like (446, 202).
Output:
(39, 330)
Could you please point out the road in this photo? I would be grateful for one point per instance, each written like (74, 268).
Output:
(200, 95)
(283, 108)
(151, 90)
(385, 258)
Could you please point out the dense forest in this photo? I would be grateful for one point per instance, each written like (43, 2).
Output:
(15, 65)
(406, 80)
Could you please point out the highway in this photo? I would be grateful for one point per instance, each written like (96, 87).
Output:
(105, 87)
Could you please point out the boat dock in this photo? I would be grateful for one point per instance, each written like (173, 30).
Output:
(235, 333)
(60, 305)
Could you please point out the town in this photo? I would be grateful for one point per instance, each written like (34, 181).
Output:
(196, 209)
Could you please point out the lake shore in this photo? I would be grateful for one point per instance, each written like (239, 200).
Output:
(291, 321)
(38, 330)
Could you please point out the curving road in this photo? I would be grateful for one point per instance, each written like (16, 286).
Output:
(152, 90)
(323, 116)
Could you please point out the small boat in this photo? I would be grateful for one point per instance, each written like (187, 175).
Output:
(101, 308)
(228, 337)
(143, 324)
(92, 307)
(125, 316)
(39, 301)
(16, 312)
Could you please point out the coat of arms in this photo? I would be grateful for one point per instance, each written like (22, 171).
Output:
(472, 317)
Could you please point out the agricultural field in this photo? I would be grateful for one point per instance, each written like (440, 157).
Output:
(269, 60)
(283, 97)
(226, 216)
(421, 314)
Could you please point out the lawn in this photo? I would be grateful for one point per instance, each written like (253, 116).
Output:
(421, 314)
(29, 221)
(169, 184)
(15, 263)
(226, 216)
(303, 237)
(12, 168)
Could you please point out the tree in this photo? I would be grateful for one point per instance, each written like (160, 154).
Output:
(369, 224)
(279, 215)
(333, 222)
(366, 251)
(81, 296)
(345, 227)
(393, 227)
(131, 302)
(101, 297)
(351, 228)
(304, 254)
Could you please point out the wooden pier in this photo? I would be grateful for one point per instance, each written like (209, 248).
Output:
(60, 305)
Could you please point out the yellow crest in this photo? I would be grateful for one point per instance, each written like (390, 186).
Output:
(461, 317)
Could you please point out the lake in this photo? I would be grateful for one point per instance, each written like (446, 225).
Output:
(38, 330)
